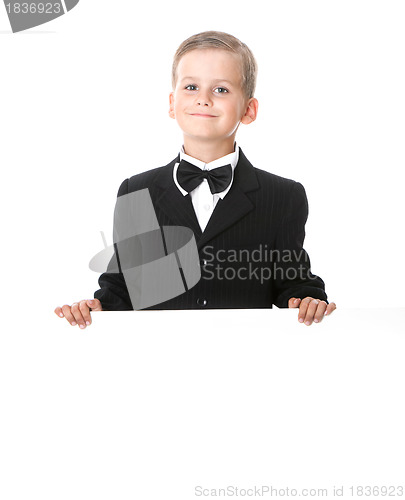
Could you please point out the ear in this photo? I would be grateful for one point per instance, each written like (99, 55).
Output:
(251, 111)
(171, 105)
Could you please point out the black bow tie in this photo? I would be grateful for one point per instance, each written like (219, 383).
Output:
(189, 177)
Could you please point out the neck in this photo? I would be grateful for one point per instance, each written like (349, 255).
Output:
(208, 151)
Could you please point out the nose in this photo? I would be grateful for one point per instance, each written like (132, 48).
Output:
(203, 99)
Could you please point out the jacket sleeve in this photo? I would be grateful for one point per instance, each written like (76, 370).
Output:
(292, 269)
(113, 293)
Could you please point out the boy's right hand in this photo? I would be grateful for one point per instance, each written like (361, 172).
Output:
(79, 312)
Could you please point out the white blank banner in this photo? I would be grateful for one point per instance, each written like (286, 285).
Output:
(179, 404)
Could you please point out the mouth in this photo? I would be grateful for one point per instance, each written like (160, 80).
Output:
(203, 115)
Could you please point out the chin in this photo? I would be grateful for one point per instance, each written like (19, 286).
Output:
(201, 134)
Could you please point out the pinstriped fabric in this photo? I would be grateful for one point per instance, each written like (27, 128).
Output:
(251, 251)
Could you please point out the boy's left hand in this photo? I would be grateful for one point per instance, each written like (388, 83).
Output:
(311, 310)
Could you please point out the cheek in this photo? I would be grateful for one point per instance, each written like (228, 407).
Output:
(181, 103)
(232, 110)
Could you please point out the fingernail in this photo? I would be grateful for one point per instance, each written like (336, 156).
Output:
(61, 315)
(301, 320)
(91, 301)
(87, 323)
(74, 323)
(326, 312)
(82, 326)
(307, 323)
(316, 320)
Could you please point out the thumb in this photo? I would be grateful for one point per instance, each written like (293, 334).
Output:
(293, 303)
(94, 304)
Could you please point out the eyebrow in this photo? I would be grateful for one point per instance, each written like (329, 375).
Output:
(215, 81)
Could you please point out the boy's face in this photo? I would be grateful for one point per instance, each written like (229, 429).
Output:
(208, 102)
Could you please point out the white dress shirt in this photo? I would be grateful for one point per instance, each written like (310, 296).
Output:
(203, 200)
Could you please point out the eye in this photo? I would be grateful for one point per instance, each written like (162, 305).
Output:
(221, 90)
(191, 87)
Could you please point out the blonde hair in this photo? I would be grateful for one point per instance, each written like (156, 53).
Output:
(224, 41)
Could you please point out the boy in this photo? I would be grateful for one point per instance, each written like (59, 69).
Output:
(248, 224)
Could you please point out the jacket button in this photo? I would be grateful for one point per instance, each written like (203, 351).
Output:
(201, 302)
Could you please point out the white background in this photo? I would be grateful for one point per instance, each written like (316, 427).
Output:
(84, 104)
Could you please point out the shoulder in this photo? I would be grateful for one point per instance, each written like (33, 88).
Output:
(284, 185)
(269, 181)
(286, 195)
(268, 178)
(146, 179)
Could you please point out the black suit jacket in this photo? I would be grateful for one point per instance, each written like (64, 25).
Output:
(251, 251)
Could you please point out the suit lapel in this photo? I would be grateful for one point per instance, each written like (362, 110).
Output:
(233, 207)
(177, 207)
(236, 203)
(227, 211)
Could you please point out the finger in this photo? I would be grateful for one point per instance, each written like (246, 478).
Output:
(67, 313)
(85, 311)
(320, 311)
(303, 309)
(78, 315)
(331, 307)
(294, 303)
(58, 312)
(312, 307)
(95, 305)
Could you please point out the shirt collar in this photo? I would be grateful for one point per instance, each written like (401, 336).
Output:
(229, 159)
